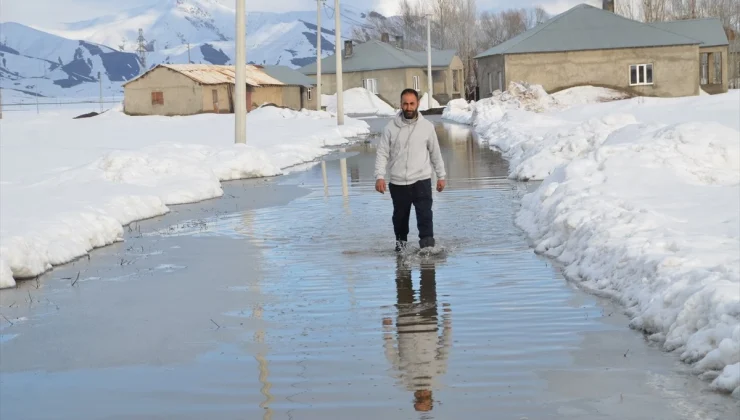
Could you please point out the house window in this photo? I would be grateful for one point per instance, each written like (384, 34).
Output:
(455, 81)
(490, 83)
(309, 93)
(500, 81)
(157, 98)
(717, 68)
(641, 74)
(371, 85)
(704, 76)
(416, 83)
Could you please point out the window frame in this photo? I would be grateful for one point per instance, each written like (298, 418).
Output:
(157, 98)
(643, 73)
(367, 82)
(417, 83)
(309, 93)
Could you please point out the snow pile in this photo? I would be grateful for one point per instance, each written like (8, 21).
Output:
(582, 95)
(459, 110)
(358, 101)
(640, 202)
(424, 103)
(69, 186)
(519, 96)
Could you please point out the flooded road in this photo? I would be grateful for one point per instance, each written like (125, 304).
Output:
(285, 300)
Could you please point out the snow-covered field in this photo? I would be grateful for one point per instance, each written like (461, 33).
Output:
(358, 101)
(640, 202)
(69, 186)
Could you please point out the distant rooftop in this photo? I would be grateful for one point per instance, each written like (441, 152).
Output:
(585, 27)
(211, 74)
(708, 31)
(377, 55)
(288, 76)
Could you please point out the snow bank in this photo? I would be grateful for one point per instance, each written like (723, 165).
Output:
(424, 103)
(640, 202)
(582, 95)
(358, 101)
(69, 186)
(631, 221)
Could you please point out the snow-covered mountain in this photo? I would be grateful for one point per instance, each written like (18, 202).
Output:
(175, 31)
(38, 63)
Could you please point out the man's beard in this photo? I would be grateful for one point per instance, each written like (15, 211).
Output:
(409, 115)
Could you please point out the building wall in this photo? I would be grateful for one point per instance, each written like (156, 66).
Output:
(716, 86)
(266, 94)
(675, 70)
(224, 105)
(490, 65)
(308, 103)
(292, 97)
(456, 70)
(390, 83)
(182, 96)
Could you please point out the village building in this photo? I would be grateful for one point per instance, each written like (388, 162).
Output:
(587, 45)
(386, 70)
(189, 89)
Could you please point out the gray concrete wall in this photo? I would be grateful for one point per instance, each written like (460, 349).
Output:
(490, 65)
(182, 96)
(675, 70)
(717, 86)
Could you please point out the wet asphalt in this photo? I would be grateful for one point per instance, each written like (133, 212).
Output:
(284, 299)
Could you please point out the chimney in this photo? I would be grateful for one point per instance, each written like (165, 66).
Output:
(385, 38)
(399, 41)
(608, 5)
(348, 49)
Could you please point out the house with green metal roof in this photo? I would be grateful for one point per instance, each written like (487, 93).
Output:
(387, 69)
(588, 45)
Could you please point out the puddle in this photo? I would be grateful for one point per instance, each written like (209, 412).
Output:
(302, 310)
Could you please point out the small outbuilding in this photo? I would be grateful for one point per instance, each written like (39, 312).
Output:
(189, 89)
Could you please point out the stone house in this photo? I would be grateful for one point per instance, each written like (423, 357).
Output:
(386, 70)
(587, 45)
(189, 89)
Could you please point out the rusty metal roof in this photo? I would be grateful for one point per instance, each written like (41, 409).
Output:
(209, 74)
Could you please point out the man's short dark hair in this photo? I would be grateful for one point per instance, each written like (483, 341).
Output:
(409, 90)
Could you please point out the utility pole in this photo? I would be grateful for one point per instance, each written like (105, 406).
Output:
(338, 54)
(318, 55)
(240, 107)
(100, 82)
(189, 61)
(430, 84)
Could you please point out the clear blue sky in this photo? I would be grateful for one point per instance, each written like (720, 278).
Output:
(49, 13)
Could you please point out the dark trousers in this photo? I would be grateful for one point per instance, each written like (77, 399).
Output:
(420, 195)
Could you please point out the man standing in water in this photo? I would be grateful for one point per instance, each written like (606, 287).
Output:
(409, 149)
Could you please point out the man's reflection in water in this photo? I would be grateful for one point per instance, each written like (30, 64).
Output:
(420, 353)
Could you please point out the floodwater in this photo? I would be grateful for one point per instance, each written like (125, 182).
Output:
(284, 300)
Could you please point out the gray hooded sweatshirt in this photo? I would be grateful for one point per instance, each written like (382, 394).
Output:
(409, 150)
